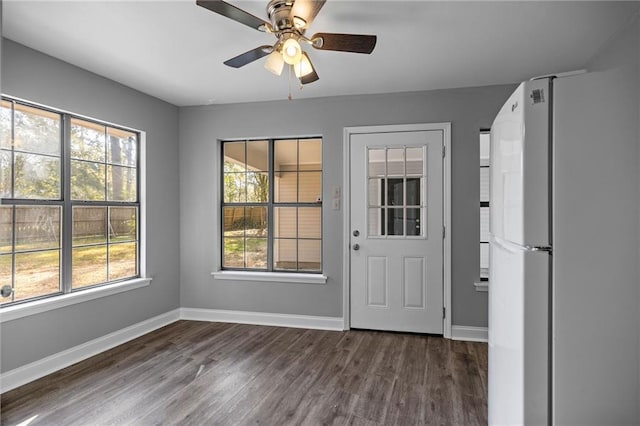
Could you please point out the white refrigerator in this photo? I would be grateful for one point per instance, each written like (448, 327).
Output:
(562, 337)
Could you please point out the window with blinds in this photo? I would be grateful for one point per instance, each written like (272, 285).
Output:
(485, 151)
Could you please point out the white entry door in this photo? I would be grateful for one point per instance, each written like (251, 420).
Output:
(396, 249)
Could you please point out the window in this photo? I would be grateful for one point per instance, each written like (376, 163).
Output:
(70, 203)
(485, 147)
(272, 205)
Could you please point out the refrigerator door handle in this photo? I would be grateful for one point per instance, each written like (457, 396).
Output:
(514, 248)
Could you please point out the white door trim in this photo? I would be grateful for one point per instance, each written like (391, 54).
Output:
(346, 188)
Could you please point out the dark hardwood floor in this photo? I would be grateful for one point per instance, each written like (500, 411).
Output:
(199, 373)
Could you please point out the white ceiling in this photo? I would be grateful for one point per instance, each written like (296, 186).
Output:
(174, 50)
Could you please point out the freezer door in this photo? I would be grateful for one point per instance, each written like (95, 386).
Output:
(520, 167)
(518, 335)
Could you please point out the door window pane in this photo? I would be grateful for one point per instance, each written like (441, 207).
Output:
(377, 162)
(395, 192)
(395, 224)
(376, 222)
(414, 222)
(395, 162)
(414, 192)
(415, 161)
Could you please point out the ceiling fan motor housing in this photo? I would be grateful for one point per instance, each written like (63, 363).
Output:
(279, 12)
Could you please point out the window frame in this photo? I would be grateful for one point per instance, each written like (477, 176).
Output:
(270, 273)
(67, 294)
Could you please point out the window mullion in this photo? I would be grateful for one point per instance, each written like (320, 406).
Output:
(67, 210)
(270, 201)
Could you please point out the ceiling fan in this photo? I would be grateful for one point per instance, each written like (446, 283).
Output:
(289, 22)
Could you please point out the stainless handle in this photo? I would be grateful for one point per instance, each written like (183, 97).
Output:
(356, 247)
(356, 233)
(6, 291)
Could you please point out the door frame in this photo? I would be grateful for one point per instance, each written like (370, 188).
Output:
(446, 213)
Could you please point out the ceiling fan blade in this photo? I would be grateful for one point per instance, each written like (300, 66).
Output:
(307, 10)
(356, 43)
(312, 76)
(250, 56)
(232, 12)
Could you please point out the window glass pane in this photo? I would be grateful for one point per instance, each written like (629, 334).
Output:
(235, 188)
(233, 221)
(5, 174)
(309, 255)
(37, 227)
(485, 148)
(310, 154)
(123, 224)
(375, 192)
(258, 156)
(395, 223)
(89, 225)
(484, 224)
(309, 222)
(122, 261)
(87, 140)
(484, 184)
(37, 274)
(414, 191)
(5, 125)
(256, 222)
(122, 185)
(285, 222)
(6, 274)
(233, 256)
(415, 161)
(377, 162)
(256, 253)
(484, 256)
(122, 147)
(87, 181)
(376, 222)
(285, 254)
(310, 187)
(89, 266)
(36, 130)
(36, 176)
(257, 187)
(395, 162)
(234, 157)
(395, 192)
(413, 222)
(6, 230)
(286, 187)
(286, 155)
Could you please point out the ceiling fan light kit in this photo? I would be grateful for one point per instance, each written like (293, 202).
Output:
(289, 21)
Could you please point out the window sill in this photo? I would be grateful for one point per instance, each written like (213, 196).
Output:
(11, 313)
(482, 286)
(273, 277)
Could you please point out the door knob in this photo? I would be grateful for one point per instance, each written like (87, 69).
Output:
(356, 247)
(356, 233)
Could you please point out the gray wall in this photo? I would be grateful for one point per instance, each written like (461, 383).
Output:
(597, 275)
(201, 127)
(39, 78)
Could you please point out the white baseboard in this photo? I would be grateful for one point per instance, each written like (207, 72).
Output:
(263, 318)
(35, 370)
(469, 334)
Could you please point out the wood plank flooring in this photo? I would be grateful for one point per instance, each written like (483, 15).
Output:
(200, 373)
